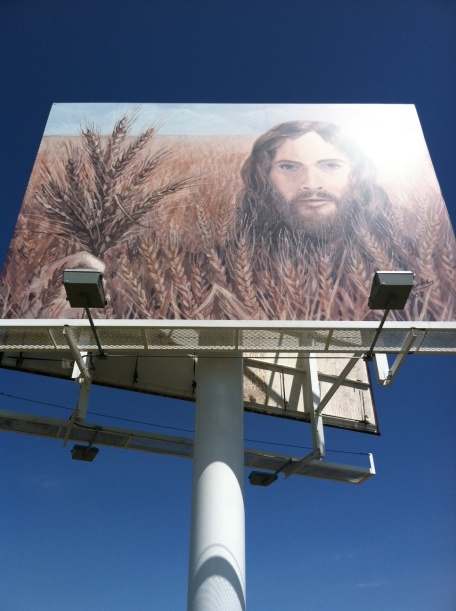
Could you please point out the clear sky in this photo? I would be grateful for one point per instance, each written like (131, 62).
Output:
(114, 534)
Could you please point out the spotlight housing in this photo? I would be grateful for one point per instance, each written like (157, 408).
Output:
(390, 290)
(84, 288)
(86, 453)
(258, 478)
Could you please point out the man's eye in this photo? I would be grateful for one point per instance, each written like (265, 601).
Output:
(331, 165)
(288, 167)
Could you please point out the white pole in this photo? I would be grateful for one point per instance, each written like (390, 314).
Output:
(217, 542)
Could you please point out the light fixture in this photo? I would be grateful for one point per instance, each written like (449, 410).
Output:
(389, 291)
(84, 289)
(258, 478)
(86, 453)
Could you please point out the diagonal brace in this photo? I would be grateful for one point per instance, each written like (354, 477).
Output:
(340, 380)
(398, 361)
(76, 354)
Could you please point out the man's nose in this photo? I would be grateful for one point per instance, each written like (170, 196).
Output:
(310, 179)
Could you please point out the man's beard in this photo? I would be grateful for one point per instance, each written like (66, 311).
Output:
(312, 222)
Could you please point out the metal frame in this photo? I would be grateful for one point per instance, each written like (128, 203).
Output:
(140, 337)
(309, 465)
(133, 336)
(272, 384)
(313, 464)
(59, 429)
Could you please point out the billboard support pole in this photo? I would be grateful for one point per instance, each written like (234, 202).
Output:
(312, 400)
(217, 539)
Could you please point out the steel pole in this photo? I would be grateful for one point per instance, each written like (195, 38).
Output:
(217, 540)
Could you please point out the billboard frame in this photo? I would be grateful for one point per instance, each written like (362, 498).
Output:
(135, 336)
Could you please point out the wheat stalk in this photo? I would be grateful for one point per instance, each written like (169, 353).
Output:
(244, 278)
(203, 225)
(373, 248)
(428, 243)
(118, 136)
(51, 293)
(224, 220)
(92, 201)
(133, 289)
(181, 291)
(324, 269)
(156, 276)
(269, 295)
(200, 288)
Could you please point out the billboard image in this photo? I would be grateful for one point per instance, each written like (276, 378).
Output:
(232, 212)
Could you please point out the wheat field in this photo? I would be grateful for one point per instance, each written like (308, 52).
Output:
(158, 215)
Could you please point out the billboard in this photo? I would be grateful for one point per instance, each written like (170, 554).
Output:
(232, 212)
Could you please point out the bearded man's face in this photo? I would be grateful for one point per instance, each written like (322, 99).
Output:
(310, 182)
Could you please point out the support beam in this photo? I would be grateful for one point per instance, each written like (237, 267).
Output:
(217, 541)
(80, 411)
(312, 401)
(400, 358)
(381, 367)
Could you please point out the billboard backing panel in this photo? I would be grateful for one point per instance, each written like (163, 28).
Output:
(232, 212)
(273, 384)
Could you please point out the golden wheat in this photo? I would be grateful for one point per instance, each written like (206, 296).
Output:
(243, 275)
(159, 211)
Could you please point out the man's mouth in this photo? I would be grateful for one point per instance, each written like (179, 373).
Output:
(315, 203)
(315, 200)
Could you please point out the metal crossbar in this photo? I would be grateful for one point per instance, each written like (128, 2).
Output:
(174, 446)
(246, 336)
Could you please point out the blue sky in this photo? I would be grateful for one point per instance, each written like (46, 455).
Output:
(114, 534)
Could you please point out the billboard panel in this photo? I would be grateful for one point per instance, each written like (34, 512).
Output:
(275, 385)
(232, 212)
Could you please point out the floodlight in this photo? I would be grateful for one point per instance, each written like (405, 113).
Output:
(84, 288)
(257, 478)
(390, 290)
(86, 453)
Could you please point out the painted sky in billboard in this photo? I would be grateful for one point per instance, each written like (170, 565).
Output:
(238, 212)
